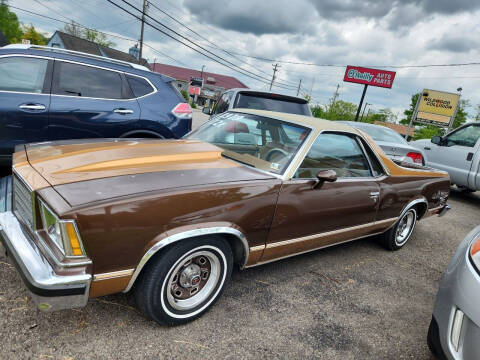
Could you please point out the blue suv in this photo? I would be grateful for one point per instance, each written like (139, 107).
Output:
(51, 94)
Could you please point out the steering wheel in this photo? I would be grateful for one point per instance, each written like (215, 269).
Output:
(271, 152)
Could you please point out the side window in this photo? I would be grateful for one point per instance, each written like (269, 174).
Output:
(22, 74)
(338, 152)
(223, 103)
(377, 168)
(86, 81)
(140, 87)
(467, 136)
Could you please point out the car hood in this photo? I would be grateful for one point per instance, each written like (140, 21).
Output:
(87, 171)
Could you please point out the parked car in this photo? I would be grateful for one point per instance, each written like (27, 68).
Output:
(391, 142)
(457, 153)
(169, 219)
(454, 331)
(55, 94)
(259, 100)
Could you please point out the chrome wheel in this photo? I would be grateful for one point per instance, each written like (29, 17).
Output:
(405, 227)
(193, 279)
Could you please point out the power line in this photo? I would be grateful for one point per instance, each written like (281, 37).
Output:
(101, 32)
(208, 54)
(208, 41)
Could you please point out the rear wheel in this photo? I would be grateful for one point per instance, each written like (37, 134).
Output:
(398, 235)
(185, 281)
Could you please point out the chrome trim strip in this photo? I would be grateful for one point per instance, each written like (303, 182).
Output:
(307, 251)
(187, 235)
(113, 275)
(257, 248)
(328, 233)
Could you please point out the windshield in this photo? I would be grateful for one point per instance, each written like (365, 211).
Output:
(261, 142)
(280, 104)
(382, 133)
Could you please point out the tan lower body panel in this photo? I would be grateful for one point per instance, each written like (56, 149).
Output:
(287, 248)
(110, 283)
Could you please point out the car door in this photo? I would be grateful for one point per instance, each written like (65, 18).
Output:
(24, 101)
(223, 103)
(455, 154)
(90, 102)
(307, 218)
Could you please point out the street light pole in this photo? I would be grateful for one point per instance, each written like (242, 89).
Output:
(366, 104)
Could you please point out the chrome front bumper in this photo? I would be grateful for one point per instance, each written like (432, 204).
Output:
(48, 290)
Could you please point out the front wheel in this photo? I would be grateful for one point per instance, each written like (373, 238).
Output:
(398, 235)
(185, 281)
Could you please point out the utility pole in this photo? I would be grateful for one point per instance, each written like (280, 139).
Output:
(145, 5)
(366, 104)
(335, 94)
(201, 73)
(275, 69)
(299, 86)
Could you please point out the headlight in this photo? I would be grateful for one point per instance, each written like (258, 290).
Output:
(475, 253)
(63, 232)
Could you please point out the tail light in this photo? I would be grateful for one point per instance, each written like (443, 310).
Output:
(182, 111)
(416, 157)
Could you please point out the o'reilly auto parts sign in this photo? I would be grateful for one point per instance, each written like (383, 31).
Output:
(367, 76)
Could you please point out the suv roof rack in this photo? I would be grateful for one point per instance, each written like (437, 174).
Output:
(78, 53)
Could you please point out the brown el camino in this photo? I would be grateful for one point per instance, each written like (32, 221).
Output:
(168, 219)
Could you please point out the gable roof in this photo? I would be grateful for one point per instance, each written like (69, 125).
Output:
(76, 43)
(3, 40)
(181, 73)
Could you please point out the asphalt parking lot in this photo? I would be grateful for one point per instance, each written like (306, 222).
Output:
(352, 301)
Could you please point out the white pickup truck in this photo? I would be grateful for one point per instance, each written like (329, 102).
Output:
(458, 153)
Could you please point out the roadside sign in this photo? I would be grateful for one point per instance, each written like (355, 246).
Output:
(367, 76)
(194, 90)
(436, 107)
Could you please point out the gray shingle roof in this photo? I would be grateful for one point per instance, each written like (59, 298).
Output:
(78, 44)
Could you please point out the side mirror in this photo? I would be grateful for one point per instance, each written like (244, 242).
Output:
(206, 110)
(325, 175)
(437, 140)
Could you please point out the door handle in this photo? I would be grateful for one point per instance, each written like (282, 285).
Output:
(123, 111)
(35, 107)
(469, 156)
(427, 148)
(374, 195)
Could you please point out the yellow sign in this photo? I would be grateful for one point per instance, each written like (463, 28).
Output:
(438, 102)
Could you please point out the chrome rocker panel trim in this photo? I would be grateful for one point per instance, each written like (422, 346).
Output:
(49, 291)
(187, 235)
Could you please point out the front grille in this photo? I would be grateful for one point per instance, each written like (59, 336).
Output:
(23, 202)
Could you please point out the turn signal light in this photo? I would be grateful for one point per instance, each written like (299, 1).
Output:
(475, 247)
(73, 238)
(416, 157)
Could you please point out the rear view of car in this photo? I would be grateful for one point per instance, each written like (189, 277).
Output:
(454, 331)
(392, 143)
(260, 100)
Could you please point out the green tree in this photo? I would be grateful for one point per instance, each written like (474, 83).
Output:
(73, 29)
(97, 37)
(30, 33)
(409, 112)
(9, 24)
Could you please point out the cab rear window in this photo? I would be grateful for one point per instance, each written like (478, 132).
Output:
(280, 104)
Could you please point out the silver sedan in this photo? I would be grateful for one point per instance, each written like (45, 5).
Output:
(454, 331)
(392, 143)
